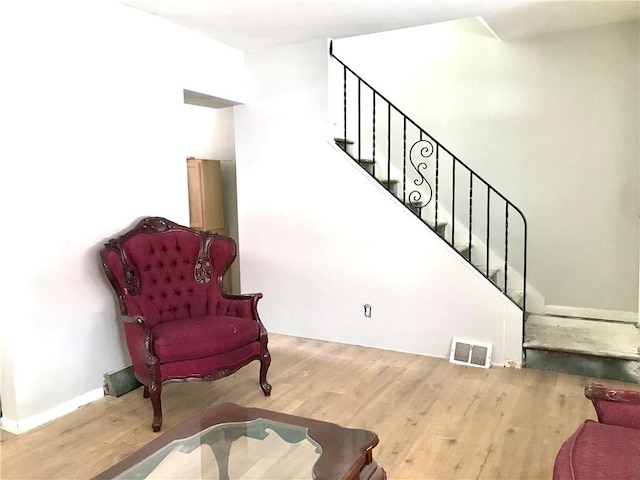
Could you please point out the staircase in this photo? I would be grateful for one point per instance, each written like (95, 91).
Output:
(465, 211)
(477, 222)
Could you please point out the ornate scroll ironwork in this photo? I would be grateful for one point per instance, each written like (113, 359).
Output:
(425, 149)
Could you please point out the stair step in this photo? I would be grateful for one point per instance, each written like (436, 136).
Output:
(343, 140)
(442, 222)
(586, 347)
(368, 164)
(493, 270)
(582, 336)
(463, 247)
(516, 295)
(442, 226)
(584, 365)
(415, 207)
(391, 185)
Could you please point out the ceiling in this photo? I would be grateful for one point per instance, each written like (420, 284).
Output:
(253, 24)
(535, 18)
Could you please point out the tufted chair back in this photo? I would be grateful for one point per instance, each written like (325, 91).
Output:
(166, 272)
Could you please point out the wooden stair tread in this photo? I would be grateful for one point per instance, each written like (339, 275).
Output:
(493, 269)
(414, 204)
(582, 336)
(442, 222)
(515, 294)
(343, 140)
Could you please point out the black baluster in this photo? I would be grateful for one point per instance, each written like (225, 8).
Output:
(374, 133)
(470, 210)
(345, 107)
(359, 123)
(389, 146)
(506, 244)
(437, 173)
(453, 202)
(488, 223)
(404, 161)
(524, 269)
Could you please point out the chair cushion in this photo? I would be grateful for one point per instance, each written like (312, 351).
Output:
(198, 337)
(597, 451)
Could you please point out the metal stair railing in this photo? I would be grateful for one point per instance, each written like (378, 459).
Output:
(436, 186)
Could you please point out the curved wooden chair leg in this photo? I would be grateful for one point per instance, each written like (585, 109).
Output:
(145, 391)
(155, 391)
(265, 361)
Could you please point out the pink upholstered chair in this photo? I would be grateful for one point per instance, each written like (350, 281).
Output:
(180, 324)
(609, 448)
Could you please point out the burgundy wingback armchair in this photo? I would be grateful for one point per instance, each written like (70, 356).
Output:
(609, 448)
(179, 322)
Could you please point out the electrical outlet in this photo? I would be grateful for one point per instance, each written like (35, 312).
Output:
(367, 310)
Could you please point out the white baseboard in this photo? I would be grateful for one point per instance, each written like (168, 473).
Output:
(595, 313)
(511, 364)
(34, 421)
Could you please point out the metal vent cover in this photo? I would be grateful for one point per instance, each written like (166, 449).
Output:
(475, 354)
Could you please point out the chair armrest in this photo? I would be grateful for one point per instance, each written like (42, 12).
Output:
(146, 342)
(244, 306)
(615, 406)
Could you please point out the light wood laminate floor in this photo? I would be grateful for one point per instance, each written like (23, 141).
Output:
(435, 420)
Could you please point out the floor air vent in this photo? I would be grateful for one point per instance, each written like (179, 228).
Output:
(476, 354)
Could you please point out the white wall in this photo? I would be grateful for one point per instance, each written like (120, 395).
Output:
(320, 239)
(209, 133)
(552, 122)
(92, 97)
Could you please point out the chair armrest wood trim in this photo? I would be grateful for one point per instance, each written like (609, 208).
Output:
(133, 319)
(598, 392)
(611, 403)
(146, 347)
(251, 298)
(244, 297)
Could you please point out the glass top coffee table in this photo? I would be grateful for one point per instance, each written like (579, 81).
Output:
(228, 442)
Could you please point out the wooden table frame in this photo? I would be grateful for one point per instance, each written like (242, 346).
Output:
(346, 452)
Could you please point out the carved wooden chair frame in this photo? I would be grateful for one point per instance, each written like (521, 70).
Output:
(202, 275)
